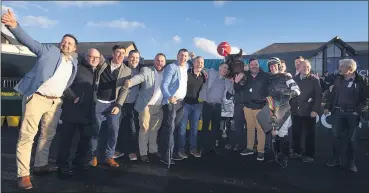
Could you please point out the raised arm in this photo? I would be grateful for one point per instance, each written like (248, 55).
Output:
(9, 20)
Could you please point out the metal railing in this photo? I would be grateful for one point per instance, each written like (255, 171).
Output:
(9, 82)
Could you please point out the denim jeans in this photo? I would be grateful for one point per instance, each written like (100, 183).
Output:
(172, 116)
(103, 113)
(192, 113)
(345, 126)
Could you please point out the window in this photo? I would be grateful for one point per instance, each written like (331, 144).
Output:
(333, 51)
(317, 63)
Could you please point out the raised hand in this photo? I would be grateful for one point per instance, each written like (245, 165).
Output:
(238, 78)
(9, 19)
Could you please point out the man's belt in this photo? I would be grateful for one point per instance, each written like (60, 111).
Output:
(48, 97)
(345, 109)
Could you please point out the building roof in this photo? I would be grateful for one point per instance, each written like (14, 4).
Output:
(103, 47)
(306, 46)
(152, 61)
(10, 39)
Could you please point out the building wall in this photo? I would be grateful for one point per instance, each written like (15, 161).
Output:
(128, 49)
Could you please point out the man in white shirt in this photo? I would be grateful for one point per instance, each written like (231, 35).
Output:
(42, 88)
(173, 88)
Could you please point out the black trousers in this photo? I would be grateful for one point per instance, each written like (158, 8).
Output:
(168, 133)
(303, 127)
(67, 132)
(128, 131)
(211, 112)
(239, 136)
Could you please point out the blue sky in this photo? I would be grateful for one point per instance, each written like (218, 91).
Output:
(198, 26)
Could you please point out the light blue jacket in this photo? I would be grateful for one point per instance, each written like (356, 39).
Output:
(49, 58)
(171, 79)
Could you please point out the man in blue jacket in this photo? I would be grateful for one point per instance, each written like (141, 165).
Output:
(42, 88)
(173, 88)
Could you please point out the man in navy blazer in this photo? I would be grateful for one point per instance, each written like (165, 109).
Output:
(42, 88)
(173, 88)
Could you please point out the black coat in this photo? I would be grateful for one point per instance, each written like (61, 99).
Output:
(249, 91)
(82, 87)
(310, 98)
(361, 95)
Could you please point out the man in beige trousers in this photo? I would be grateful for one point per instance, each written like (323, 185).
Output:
(148, 104)
(42, 88)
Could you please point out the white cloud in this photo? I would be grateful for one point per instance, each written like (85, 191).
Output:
(230, 21)
(5, 8)
(219, 3)
(121, 23)
(38, 21)
(26, 5)
(236, 50)
(85, 3)
(176, 39)
(209, 46)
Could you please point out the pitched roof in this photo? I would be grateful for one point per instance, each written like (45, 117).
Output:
(103, 47)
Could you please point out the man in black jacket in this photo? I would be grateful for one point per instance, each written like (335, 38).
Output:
(248, 92)
(77, 114)
(304, 110)
(348, 99)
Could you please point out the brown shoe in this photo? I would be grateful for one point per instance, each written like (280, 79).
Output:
(93, 161)
(24, 183)
(111, 162)
(45, 169)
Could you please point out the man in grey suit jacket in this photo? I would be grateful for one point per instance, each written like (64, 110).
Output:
(148, 104)
(110, 78)
(42, 88)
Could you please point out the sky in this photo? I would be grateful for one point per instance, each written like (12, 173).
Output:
(199, 26)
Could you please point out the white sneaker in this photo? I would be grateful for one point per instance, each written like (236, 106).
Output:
(118, 155)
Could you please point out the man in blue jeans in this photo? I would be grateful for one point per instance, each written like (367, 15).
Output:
(110, 79)
(191, 110)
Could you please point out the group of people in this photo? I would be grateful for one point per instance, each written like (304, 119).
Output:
(152, 105)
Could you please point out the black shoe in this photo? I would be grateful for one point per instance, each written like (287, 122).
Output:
(334, 163)
(165, 161)
(295, 155)
(177, 157)
(307, 159)
(65, 173)
(352, 168)
(260, 156)
(247, 152)
(145, 159)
